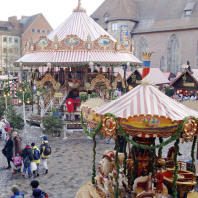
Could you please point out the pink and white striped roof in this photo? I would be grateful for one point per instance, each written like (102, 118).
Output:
(81, 25)
(68, 57)
(146, 99)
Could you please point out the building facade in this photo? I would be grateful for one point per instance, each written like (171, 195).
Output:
(14, 36)
(167, 28)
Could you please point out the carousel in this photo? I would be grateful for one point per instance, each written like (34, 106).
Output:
(77, 58)
(146, 120)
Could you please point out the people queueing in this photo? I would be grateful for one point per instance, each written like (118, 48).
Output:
(36, 191)
(16, 192)
(36, 158)
(45, 151)
(27, 158)
(9, 149)
(17, 149)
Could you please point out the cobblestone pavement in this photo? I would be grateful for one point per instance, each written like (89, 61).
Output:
(70, 164)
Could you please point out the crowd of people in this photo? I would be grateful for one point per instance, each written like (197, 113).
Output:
(25, 161)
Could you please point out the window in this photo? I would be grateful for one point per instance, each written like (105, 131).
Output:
(142, 46)
(16, 40)
(43, 31)
(48, 31)
(38, 31)
(188, 12)
(173, 58)
(5, 61)
(33, 30)
(5, 39)
(10, 40)
(162, 64)
(114, 26)
(4, 50)
(106, 16)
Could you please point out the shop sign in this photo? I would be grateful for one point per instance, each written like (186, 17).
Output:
(138, 81)
(189, 84)
(58, 95)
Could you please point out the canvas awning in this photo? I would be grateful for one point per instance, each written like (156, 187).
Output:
(146, 100)
(66, 58)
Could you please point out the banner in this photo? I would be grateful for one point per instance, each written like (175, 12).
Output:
(124, 32)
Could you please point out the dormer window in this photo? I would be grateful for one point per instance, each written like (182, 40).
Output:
(189, 8)
(106, 16)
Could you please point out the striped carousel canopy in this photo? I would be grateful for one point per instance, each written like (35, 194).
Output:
(66, 58)
(85, 30)
(146, 99)
(81, 25)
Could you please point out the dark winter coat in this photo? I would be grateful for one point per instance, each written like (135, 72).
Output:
(37, 193)
(9, 148)
(17, 145)
(27, 151)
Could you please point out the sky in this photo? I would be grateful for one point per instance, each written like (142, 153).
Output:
(55, 11)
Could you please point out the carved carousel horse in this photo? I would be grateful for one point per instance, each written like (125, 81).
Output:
(104, 179)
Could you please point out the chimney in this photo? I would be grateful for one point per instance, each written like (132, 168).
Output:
(23, 17)
(13, 20)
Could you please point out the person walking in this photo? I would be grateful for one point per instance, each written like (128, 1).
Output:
(36, 158)
(3, 131)
(36, 191)
(45, 151)
(17, 149)
(27, 158)
(15, 192)
(9, 149)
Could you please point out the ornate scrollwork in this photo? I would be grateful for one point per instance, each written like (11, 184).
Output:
(109, 124)
(190, 128)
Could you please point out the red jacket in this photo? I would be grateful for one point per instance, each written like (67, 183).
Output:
(70, 105)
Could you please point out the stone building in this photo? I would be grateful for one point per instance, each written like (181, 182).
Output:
(15, 35)
(166, 27)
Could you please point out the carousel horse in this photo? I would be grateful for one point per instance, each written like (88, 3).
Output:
(105, 168)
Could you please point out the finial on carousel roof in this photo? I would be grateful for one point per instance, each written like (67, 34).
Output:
(79, 7)
(146, 67)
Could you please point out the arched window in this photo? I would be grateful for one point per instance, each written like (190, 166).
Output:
(173, 56)
(162, 64)
(142, 46)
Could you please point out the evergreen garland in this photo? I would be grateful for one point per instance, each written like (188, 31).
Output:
(176, 168)
(161, 140)
(193, 152)
(134, 166)
(116, 191)
(94, 160)
(125, 157)
(153, 162)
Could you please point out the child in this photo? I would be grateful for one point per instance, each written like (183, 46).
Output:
(36, 157)
(27, 158)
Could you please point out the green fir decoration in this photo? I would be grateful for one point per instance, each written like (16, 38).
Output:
(193, 153)
(161, 140)
(94, 160)
(133, 150)
(153, 162)
(116, 191)
(125, 158)
(176, 168)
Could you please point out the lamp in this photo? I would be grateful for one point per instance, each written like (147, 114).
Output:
(28, 100)
(91, 64)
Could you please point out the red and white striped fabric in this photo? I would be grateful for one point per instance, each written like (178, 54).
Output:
(65, 58)
(81, 25)
(146, 99)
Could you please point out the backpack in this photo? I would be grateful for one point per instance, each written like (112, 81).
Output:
(18, 196)
(26, 161)
(47, 150)
(36, 155)
(7, 127)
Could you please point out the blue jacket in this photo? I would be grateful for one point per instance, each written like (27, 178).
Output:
(17, 195)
